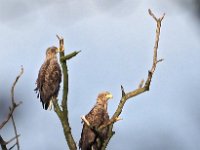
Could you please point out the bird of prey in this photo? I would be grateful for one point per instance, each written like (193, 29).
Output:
(96, 117)
(49, 78)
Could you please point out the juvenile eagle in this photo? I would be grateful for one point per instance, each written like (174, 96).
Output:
(96, 117)
(49, 78)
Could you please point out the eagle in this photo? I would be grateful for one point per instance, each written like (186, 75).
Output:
(49, 78)
(96, 117)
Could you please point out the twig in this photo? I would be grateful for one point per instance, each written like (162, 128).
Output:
(9, 115)
(142, 88)
(15, 130)
(12, 139)
(69, 56)
(123, 92)
(12, 146)
(14, 104)
(61, 43)
(14, 84)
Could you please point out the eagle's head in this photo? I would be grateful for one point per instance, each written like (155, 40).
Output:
(51, 52)
(104, 97)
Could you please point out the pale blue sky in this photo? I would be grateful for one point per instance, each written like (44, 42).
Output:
(116, 39)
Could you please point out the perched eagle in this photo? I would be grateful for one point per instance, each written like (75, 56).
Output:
(96, 117)
(49, 78)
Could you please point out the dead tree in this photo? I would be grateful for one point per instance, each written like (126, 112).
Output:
(12, 108)
(62, 112)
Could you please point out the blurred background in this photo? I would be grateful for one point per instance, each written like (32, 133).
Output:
(116, 38)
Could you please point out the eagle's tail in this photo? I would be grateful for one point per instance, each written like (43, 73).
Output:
(46, 105)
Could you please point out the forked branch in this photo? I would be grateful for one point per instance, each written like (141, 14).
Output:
(143, 86)
(62, 112)
(14, 105)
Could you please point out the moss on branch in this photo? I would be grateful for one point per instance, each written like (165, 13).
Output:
(63, 113)
(69, 56)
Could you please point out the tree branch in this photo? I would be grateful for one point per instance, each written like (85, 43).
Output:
(14, 104)
(3, 143)
(15, 130)
(142, 88)
(63, 113)
(12, 139)
(69, 56)
(10, 115)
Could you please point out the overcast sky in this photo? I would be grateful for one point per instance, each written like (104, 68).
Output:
(116, 38)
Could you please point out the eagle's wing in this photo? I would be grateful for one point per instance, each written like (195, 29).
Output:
(48, 82)
(41, 80)
(95, 117)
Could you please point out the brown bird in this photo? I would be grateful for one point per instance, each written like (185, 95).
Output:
(96, 117)
(49, 78)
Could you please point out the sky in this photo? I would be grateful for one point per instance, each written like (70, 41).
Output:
(116, 40)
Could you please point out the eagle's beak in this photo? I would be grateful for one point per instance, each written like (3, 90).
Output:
(109, 96)
(57, 50)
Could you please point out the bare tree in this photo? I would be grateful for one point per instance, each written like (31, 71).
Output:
(62, 111)
(12, 108)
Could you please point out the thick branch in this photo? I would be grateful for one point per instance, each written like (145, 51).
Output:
(111, 121)
(3, 143)
(141, 88)
(63, 114)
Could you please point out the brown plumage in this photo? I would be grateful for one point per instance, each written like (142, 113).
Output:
(49, 78)
(96, 117)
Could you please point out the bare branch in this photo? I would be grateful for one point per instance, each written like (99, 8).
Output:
(14, 104)
(69, 56)
(61, 43)
(14, 84)
(63, 113)
(123, 92)
(142, 87)
(12, 139)
(160, 60)
(154, 17)
(15, 130)
(3, 143)
(12, 146)
(111, 121)
(99, 129)
(9, 115)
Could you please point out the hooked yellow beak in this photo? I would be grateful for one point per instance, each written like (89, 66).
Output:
(109, 96)
(57, 50)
